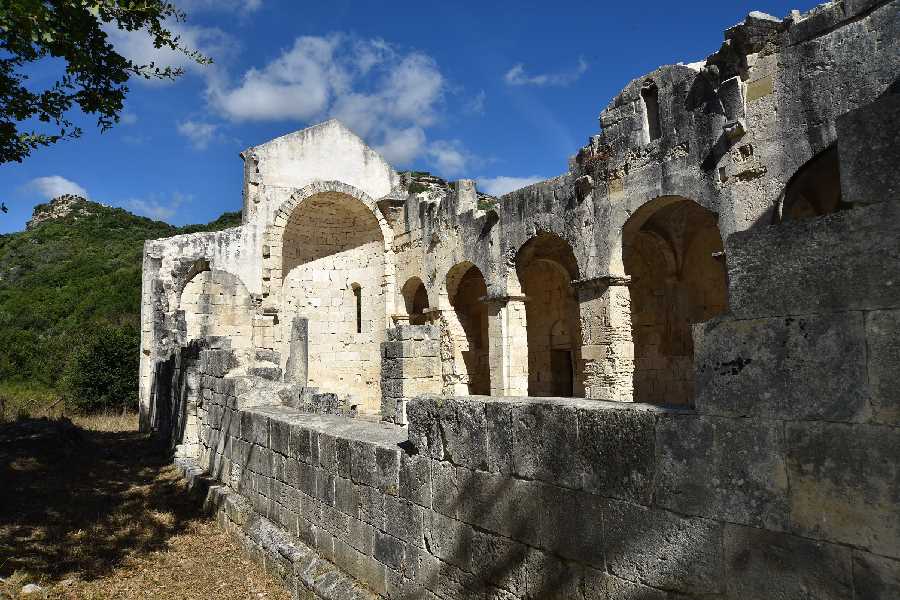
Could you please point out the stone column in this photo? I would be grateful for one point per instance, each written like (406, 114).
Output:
(508, 345)
(297, 369)
(607, 353)
(410, 366)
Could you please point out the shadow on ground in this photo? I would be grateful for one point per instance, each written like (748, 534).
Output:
(79, 501)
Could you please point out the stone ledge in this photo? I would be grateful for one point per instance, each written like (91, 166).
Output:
(270, 544)
(377, 433)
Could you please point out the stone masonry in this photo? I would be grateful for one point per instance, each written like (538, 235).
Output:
(672, 372)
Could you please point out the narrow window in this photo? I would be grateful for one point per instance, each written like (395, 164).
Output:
(650, 96)
(357, 292)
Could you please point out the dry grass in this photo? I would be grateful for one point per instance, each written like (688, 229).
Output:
(93, 510)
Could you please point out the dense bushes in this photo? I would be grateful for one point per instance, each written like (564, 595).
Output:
(102, 371)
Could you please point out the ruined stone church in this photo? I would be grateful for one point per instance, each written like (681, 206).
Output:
(671, 372)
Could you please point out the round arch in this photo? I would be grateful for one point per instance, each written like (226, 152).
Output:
(671, 249)
(273, 238)
(465, 322)
(546, 268)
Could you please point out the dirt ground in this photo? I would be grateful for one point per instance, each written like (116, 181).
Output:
(94, 510)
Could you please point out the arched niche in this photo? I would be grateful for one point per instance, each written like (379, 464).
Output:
(466, 369)
(546, 267)
(333, 264)
(815, 189)
(672, 251)
(216, 303)
(415, 300)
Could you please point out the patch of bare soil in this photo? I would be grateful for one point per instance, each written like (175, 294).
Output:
(94, 510)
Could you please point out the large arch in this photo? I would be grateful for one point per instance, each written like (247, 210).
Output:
(672, 252)
(546, 267)
(332, 261)
(465, 337)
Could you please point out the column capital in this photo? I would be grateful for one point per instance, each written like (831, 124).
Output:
(503, 299)
(603, 281)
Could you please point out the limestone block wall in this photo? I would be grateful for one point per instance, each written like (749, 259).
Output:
(216, 303)
(567, 498)
(410, 367)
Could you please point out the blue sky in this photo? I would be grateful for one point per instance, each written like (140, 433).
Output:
(503, 92)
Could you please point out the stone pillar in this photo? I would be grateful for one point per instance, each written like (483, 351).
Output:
(508, 345)
(297, 370)
(410, 366)
(466, 196)
(607, 353)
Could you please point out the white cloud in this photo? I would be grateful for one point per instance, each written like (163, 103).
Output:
(497, 186)
(199, 134)
(402, 146)
(55, 185)
(386, 96)
(518, 76)
(137, 46)
(127, 118)
(156, 207)
(449, 157)
(244, 6)
(297, 85)
(475, 104)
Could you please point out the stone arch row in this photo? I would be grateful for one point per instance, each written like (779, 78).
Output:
(626, 338)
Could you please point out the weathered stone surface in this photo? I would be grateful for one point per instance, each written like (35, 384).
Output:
(721, 468)
(603, 586)
(764, 565)
(875, 577)
(659, 549)
(868, 146)
(844, 261)
(616, 453)
(773, 367)
(883, 353)
(545, 442)
(844, 484)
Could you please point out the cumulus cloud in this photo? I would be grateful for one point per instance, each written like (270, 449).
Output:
(449, 157)
(54, 185)
(497, 186)
(517, 75)
(157, 207)
(383, 94)
(199, 134)
(137, 46)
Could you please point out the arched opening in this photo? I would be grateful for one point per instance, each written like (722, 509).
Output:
(415, 300)
(546, 267)
(468, 329)
(333, 266)
(650, 96)
(357, 294)
(216, 303)
(672, 251)
(815, 189)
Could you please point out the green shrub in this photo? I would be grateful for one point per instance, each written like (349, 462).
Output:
(102, 371)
